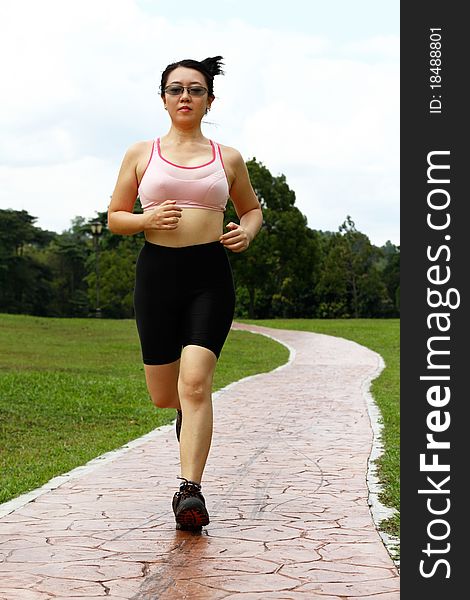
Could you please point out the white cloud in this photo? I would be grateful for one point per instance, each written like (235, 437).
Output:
(377, 47)
(83, 85)
(58, 193)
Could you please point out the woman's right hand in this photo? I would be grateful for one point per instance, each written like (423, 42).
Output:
(165, 216)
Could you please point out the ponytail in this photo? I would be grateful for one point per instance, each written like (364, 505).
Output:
(213, 65)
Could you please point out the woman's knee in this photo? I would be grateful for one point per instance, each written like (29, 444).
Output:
(195, 388)
(162, 400)
(196, 374)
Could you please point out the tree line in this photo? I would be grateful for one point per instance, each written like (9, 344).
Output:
(289, 270)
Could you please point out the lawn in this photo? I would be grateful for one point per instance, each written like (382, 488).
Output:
(72, 389)
(382, 336)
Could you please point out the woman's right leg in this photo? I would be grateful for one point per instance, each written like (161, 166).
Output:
(162, 384)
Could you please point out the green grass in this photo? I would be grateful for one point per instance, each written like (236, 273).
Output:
(382, 336)
(72, 389)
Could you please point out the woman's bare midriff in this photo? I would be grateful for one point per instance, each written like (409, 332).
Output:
(196, 226)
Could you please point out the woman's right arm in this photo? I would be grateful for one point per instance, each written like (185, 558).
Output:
(121, 218)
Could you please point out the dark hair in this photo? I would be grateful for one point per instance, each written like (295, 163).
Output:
(209, 67)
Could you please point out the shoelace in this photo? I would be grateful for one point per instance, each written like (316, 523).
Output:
(188, 488)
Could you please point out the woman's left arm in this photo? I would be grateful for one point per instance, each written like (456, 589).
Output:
(247, 207)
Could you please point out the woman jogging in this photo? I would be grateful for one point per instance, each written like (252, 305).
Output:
(184, 296)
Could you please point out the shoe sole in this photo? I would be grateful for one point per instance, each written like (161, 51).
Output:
(191, 518)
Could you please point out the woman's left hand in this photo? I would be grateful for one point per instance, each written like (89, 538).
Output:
(237, 239)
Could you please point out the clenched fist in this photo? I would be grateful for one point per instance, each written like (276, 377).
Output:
(165, 216)
(237, 239)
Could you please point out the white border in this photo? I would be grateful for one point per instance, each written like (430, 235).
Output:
(378, 510)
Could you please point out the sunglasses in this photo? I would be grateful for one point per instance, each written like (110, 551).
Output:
(193, 90)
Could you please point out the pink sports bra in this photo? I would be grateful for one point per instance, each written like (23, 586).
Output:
(203, 186)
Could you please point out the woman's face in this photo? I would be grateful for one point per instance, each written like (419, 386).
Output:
(186, 108)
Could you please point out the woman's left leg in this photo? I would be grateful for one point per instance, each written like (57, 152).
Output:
(197, 366)
(205, 322)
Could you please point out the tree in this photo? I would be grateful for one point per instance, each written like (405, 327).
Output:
(23, 280)
(391, 274)
(117, 259)
(354, 252)
(65, 256)
(350, 284)
(117, 271)
(331, 283)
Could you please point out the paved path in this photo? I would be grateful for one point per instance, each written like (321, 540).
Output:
(285, 485)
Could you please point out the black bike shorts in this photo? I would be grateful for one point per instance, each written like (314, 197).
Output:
(182, 296)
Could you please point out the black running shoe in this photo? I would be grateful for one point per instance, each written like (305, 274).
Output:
(189, 506)
(179, 420)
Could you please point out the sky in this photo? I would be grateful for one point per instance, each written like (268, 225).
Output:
(311, 90)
